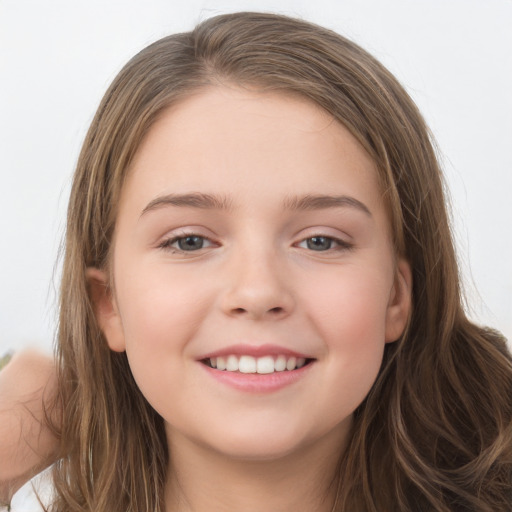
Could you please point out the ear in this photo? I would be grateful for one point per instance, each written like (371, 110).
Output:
(400, 302)
(105, 309)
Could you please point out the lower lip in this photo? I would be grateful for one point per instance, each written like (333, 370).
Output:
(258, 382)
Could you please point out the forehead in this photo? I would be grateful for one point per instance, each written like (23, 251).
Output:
(226, 140)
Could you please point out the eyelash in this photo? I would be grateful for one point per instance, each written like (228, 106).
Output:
(339, 244)
(168, 244)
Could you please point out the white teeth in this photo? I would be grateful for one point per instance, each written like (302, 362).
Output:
(291, 363)
(232, 364)
(265, 364)
(261, 365)
(280, 364)
(247, 364)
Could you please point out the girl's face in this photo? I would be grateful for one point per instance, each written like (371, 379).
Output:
(252, 233)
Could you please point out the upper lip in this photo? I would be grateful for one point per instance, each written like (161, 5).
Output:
(254, 351)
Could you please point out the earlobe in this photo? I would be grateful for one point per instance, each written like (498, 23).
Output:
(105, 309)
(400, 302)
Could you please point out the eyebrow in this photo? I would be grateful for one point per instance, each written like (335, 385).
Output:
(192, 200)
(320, 202)
(214, 202)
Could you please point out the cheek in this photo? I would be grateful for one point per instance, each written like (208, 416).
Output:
(350, 307)
(350, 313)
(160, 313)
(157, 306)
(159, 316)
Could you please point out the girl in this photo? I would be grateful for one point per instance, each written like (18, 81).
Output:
(260, 306)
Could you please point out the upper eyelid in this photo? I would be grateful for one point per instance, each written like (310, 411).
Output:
(339, 236)
(184, 232)
(340, 241)
(173, 237)
(166, 243)
(185, 235)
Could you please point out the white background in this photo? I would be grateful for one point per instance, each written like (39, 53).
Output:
(57, 58)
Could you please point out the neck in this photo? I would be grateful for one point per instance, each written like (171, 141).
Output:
(201, 480)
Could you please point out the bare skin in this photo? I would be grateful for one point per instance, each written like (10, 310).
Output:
(293, 483)
(268, 275)
(27, 445)
(213, 257)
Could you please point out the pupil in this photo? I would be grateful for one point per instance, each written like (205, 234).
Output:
(319, 243)
(190, 243)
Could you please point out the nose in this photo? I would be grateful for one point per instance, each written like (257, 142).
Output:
(257, 288)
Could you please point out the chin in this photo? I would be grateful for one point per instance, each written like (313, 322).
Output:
(262, 442)
(249, 450)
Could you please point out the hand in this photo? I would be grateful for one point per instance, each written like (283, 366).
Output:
(28, 388)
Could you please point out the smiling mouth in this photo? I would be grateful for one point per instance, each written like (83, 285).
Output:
(259, 365)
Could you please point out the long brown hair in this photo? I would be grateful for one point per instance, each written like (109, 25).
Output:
(435, 431)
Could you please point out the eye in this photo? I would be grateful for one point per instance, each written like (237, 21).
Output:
(186, 243)
(319, 243)
(322, 243)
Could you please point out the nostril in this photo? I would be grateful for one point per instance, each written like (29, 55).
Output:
(272, 311)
